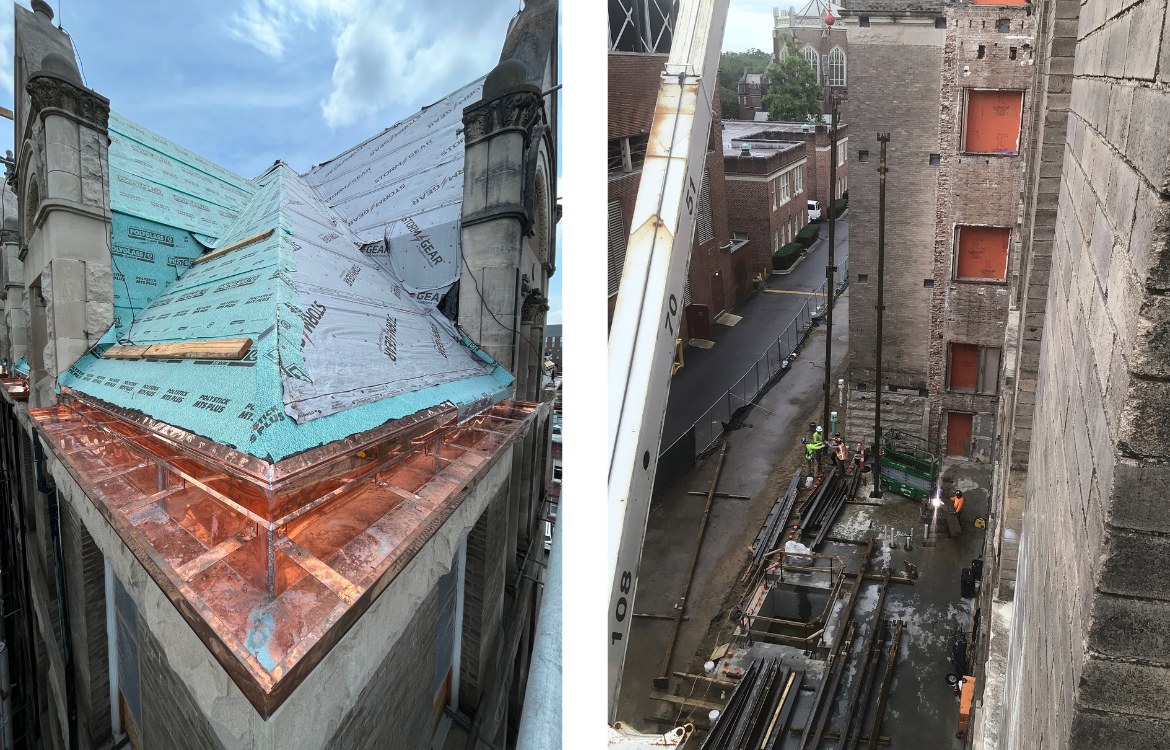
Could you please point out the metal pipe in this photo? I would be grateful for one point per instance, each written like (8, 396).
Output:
(884, 694)
(664, 680)
(883, 139)
(830, 269)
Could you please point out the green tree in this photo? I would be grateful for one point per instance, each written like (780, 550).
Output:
(732, 66)
(794, 94)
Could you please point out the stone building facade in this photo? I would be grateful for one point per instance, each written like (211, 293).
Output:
(130, 586)
(959, 124)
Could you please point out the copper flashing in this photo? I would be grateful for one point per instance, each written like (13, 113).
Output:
(16, 388)
(271, 565)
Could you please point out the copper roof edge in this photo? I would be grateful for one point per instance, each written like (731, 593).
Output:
(266, 688)
(272, 475)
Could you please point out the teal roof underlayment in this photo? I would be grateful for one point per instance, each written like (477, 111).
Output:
(340, 346)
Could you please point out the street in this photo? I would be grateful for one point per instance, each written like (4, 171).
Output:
(709, 373)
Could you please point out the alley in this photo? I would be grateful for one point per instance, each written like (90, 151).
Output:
(710, 372)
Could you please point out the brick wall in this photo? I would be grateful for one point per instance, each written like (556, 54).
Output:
(1088, 668)
(750, 206)
(170, 716)
(910, 53)
(974, 189)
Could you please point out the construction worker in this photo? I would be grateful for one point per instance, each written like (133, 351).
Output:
(957, 502)
(811, 450)
(837, 446)
(954, 520)
(818, 436)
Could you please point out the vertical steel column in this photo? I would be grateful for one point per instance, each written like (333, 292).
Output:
(831, 268)
(883, 138)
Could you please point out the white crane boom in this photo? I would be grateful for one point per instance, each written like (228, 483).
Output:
(646, 319)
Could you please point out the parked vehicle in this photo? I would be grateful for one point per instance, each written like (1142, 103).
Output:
(814, 210)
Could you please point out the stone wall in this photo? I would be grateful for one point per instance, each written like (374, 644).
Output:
(1086, 669)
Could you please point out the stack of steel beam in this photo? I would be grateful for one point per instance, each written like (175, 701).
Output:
(759, 711)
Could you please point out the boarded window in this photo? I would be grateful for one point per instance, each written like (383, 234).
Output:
(617, 246)
(959, 433)
(973, 369)
(704, 230)
(993, 121)
(637, 146)
(981, 253)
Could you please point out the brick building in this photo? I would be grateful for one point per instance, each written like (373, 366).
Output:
(553, 342)
(202, 550)
(711, 283)
(767, 203)
(952, 211)
(752, 88)
(825, 47)
(818, 150)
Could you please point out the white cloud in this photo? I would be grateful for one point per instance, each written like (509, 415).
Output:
(7, 51)
(388, 52)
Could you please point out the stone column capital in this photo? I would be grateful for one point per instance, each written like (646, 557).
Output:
(51, 92)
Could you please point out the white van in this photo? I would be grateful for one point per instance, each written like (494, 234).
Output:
(814, 211)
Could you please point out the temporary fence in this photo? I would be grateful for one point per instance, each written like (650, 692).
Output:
(704, 434)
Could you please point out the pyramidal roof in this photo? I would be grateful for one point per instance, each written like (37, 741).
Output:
(337, 346)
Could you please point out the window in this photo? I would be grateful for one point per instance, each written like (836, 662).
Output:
(799, 180)
(785, 189)
(863, 278)
(935, 160)
(863, 21)
(981, 253)
(992, 124)
(973, 369)
(617, 246)
(617, 155)
(940, 23)
(928, 283)
(739, 235)
(836, 67)
(776, 240)
(772, 193)
(863, 155)
(704, 225)
(1003, 26)
(813, 58)
(637, 146)
(842, 152)
(981, 52)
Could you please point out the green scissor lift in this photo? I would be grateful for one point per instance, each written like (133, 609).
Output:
(907, 466)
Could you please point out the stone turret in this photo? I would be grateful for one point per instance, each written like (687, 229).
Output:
(63, 190)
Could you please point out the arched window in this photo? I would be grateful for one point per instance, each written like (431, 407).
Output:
(836, 67)
(813, 58)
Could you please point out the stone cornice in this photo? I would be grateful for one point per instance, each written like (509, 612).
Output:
(520, 109)
(51, 93)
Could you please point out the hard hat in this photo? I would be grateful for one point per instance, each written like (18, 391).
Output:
(804, 440)
(819, 429)
(837, 435)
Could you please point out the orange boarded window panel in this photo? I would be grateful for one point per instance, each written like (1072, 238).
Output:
(982, 253)
(993, 121)
(958, 432)
(964, 369)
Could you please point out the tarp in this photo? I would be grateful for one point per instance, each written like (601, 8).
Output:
(339, 347)
(401, 192)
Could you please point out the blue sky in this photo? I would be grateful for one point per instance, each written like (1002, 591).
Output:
(248, 82)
